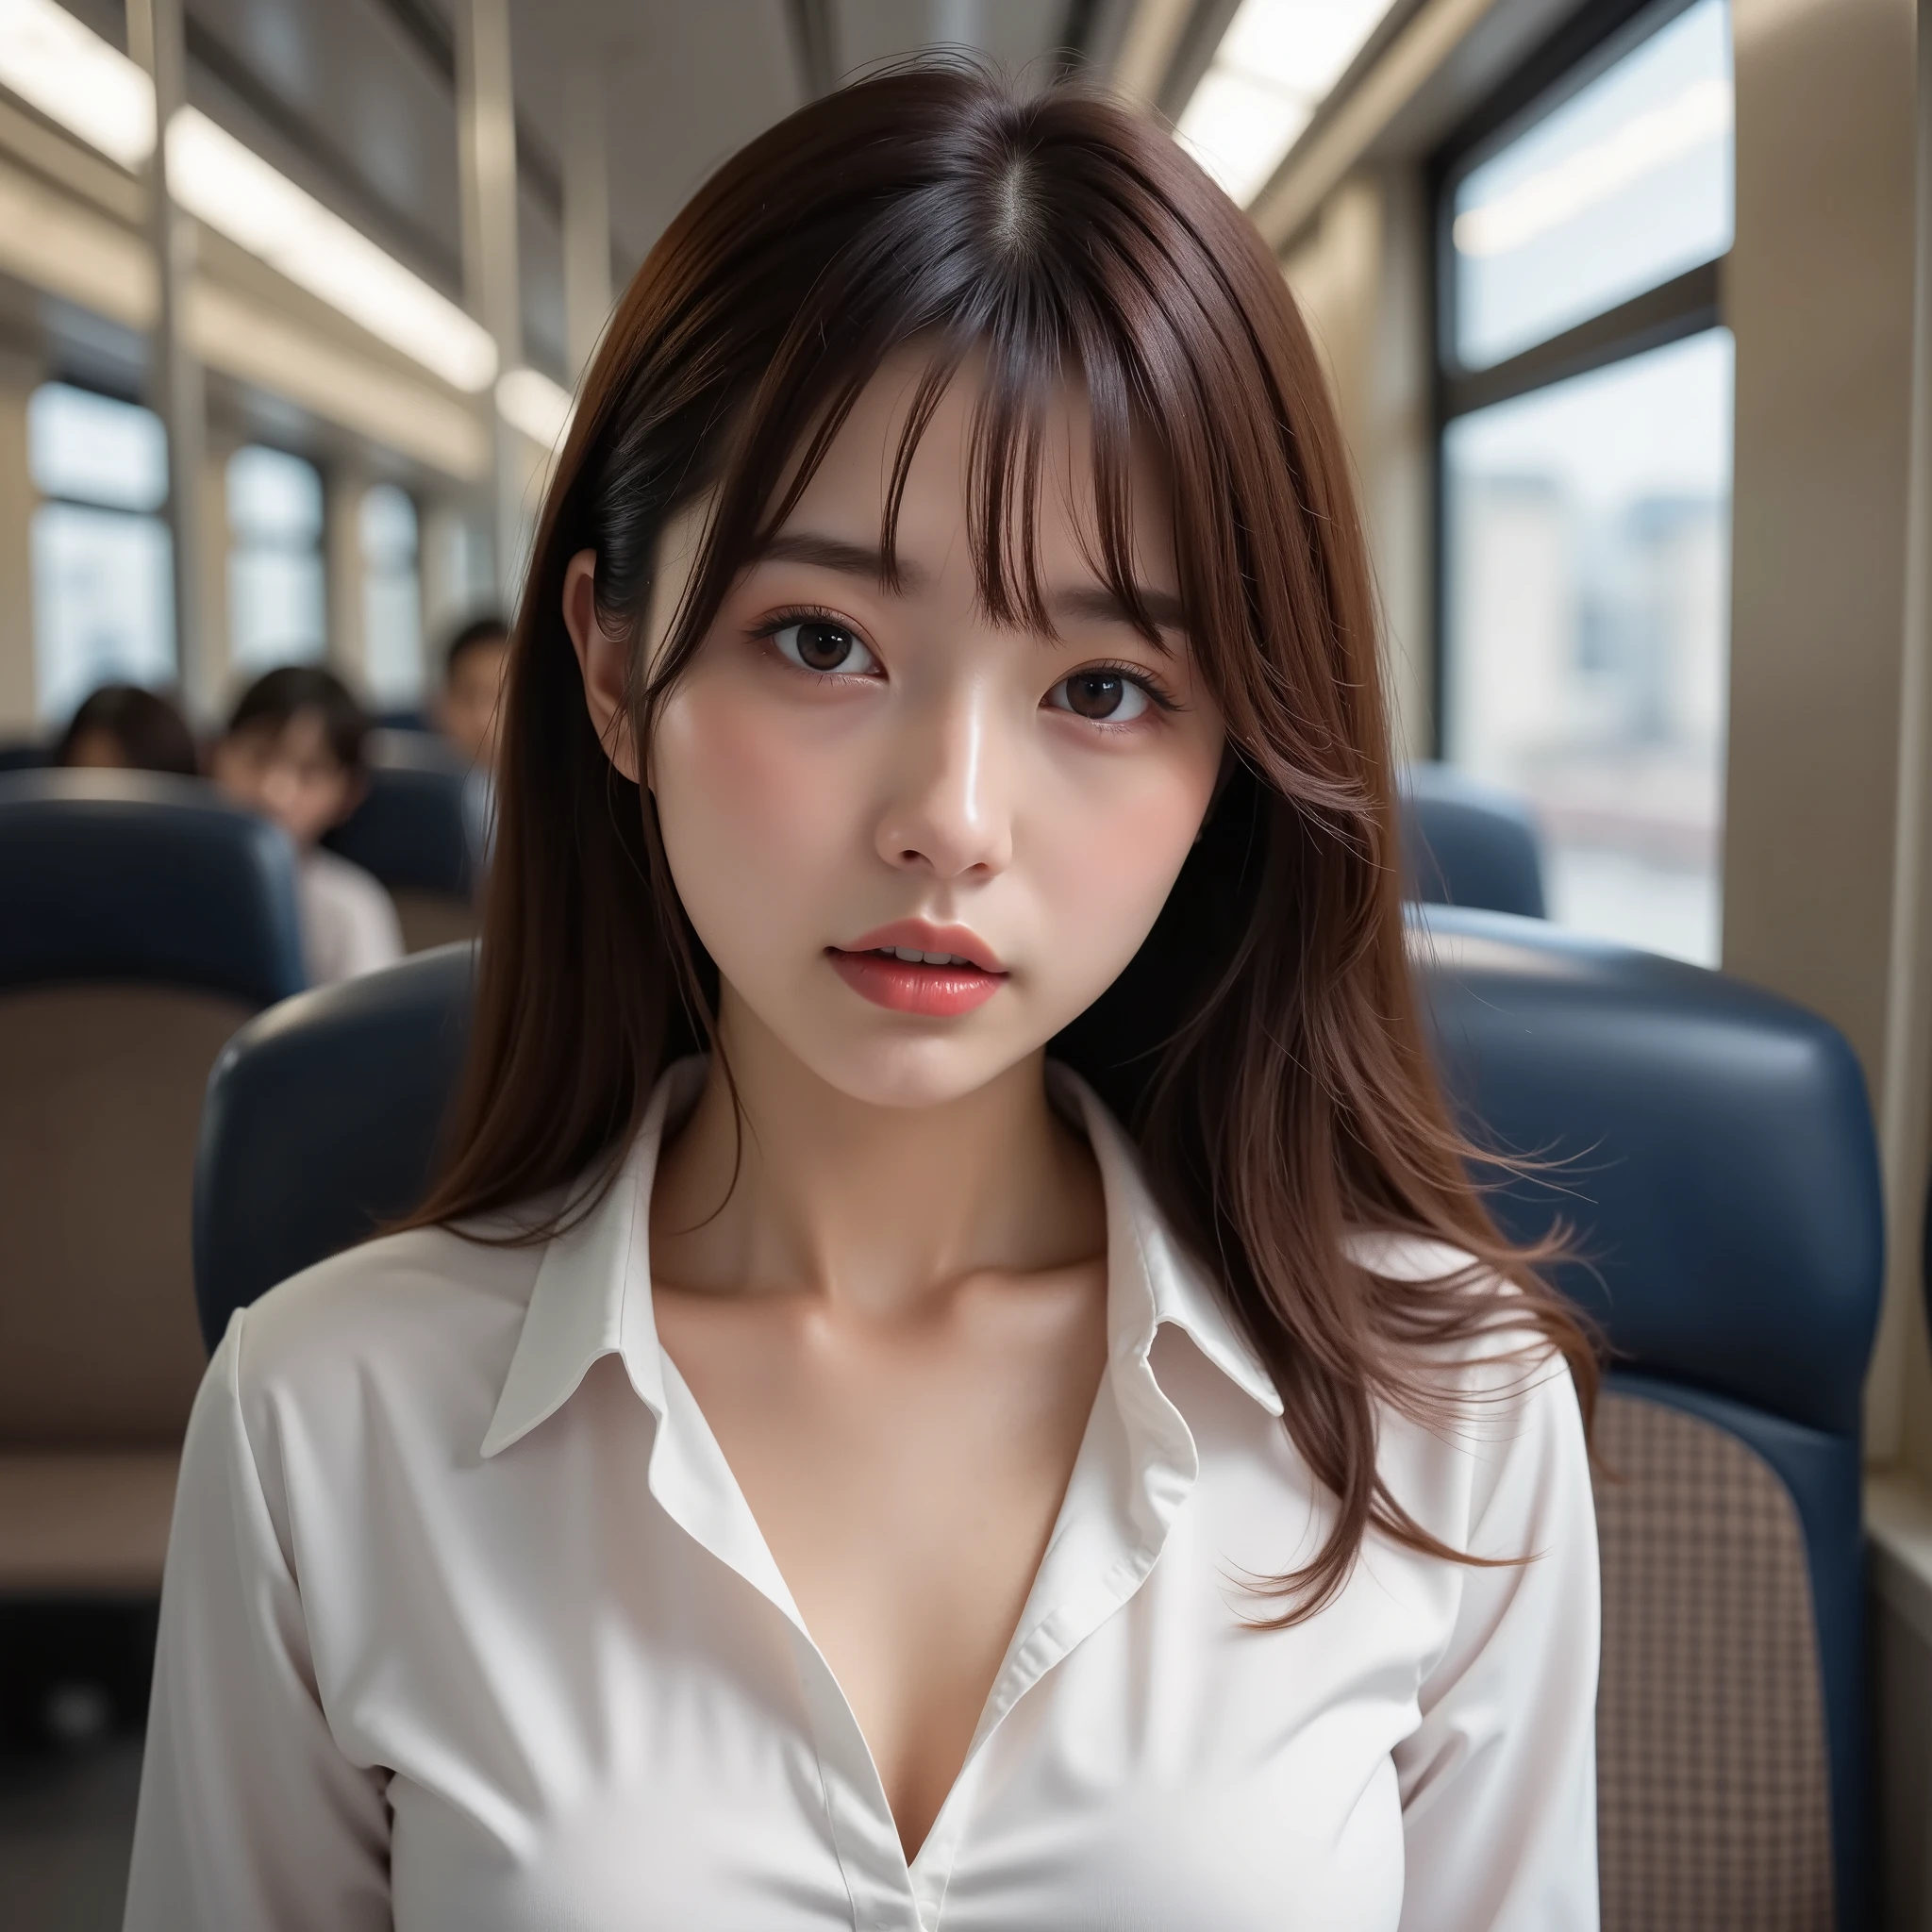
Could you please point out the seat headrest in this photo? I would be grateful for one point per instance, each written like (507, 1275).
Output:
(321, 1123)
(136, 876)
(419, 828)
(1468, 843)
(1710, 1144)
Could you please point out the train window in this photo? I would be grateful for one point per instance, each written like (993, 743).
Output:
(277, 608)
(392, 598)
(1625, 185)
(102, 571)
(1586, 451)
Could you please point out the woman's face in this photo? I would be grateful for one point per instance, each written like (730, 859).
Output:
(851, 772)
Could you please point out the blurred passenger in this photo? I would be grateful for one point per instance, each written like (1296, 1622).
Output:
(473, 680)
(123, 729)
(293, 751)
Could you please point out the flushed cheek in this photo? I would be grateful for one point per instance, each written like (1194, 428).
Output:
(758, 821)
(1103, 867)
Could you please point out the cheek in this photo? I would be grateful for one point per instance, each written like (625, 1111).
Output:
(327, 801)
(1108, 856)
(754, 813)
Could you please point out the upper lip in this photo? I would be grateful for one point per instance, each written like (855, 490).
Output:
(922, 936)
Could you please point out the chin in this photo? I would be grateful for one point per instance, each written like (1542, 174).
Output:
(910, 1069)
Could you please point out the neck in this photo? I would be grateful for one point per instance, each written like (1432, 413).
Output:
(797, 1187)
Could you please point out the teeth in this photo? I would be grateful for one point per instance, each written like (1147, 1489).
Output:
(914, 957)
(910, 955)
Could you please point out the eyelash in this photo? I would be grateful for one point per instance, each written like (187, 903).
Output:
(1157, 693)
(769, 627)
(1144, 680)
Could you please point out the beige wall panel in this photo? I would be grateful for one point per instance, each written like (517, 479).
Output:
(18, 377)
(1898, 1403)
(1818, 290)
(217, 640)
(1359, 281)
(348, 643)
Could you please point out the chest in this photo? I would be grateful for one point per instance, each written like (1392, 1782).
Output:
(631, 1732)
(905, 1480)
(1168, 1772)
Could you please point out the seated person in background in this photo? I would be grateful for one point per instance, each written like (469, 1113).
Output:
(472, 677)
(293, 752)
(123, 729)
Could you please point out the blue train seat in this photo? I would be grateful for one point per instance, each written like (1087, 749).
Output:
(1468, 843)
(420, 831)
(141, 922)
(1711, 1147)
(322, 1124)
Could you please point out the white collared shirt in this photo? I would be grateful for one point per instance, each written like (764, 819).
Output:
(468, 1626)
(349, 924)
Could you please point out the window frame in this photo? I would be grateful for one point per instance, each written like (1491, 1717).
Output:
(1593, 39)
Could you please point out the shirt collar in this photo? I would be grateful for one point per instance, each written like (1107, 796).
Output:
(592, 1292)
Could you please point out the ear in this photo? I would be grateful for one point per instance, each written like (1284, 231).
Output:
(603, 660)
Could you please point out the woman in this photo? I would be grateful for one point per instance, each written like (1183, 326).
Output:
(295, 752)
(851, 1478)
(121, 727)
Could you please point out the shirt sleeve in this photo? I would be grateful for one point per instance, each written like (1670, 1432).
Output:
(250, 1817)
(349, 922)
(1499, 1780)
(368, 934)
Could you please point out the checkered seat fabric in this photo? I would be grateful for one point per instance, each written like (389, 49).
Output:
(1713, 1789)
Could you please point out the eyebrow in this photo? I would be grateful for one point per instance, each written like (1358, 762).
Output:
(1089, 602)
(1101, 604)
(833, 553)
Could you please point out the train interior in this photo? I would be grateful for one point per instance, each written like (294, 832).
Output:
(1626, 307)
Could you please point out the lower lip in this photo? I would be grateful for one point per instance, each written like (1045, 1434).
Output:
(942, 992)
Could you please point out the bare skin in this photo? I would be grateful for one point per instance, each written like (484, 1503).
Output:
(467, 710)
(892, 1308)
(290, 776)
(898, 1356)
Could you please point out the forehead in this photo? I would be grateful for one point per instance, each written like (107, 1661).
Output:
(945, 476)
(482, 659)
(303, 735)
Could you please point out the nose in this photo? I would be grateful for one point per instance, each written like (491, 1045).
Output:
(950, 809)
(277, 788)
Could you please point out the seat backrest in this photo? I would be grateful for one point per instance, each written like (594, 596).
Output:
(322, 1124)
(141, 921)
(1716, 1160)
(1468, 843)
(419, 830)
(1712, 1147)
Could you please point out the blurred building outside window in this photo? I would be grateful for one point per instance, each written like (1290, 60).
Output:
(278, 611)
(1587, 515)
(102, 585)
(391, 599)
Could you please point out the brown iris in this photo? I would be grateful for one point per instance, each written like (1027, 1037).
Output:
(824, 646)
(1095, 693)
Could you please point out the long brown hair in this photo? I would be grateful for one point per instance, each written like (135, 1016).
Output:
(1264, 1046)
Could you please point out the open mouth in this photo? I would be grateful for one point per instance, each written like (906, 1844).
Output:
(909, 957)
(907, 979)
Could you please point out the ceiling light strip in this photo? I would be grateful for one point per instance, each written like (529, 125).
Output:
(95, 91)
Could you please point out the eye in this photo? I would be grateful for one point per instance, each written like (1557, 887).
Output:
(816, 643)
(1105, 696)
